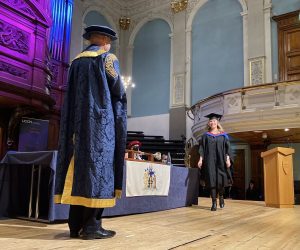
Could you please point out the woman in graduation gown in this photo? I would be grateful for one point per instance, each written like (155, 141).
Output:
(215, 159)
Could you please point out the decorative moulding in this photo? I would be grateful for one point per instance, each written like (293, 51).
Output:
(31, 9)
(13, 70)
(257, 70)
(14, 38)
(178, 90)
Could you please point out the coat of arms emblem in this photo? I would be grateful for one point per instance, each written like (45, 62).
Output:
(149, 178)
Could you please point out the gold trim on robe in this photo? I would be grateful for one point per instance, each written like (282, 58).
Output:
(109, 65)
(88, 53)
(67, 198)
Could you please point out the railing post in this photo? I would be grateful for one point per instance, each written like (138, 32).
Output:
(276, 96)
(243, 100)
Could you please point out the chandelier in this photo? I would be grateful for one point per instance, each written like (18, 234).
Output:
(127, 82)
(124, 23)
(179, 5)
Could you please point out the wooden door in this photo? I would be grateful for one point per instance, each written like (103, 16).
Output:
(257, 168)
(288, 26)
(238, 188)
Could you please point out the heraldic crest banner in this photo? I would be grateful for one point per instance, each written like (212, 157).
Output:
(147, 178)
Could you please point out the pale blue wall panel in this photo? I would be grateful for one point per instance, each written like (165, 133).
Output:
(151, 69)
(217, 49)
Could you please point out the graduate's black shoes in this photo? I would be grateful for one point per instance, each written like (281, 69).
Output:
(222, 204)
(101, 233)
(214, 205)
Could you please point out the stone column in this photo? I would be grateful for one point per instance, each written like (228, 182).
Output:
(268, 44)
(245, 47)
(256, 42)
(178, 78)
(188, 93)
(128, 72)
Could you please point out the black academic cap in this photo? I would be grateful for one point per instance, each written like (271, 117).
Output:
(104, 30)
(214, 116)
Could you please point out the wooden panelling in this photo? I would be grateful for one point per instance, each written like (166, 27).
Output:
(289, 46)
(257, 168)
(239, 174)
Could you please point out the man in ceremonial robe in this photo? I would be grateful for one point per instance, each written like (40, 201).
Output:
(92, 136)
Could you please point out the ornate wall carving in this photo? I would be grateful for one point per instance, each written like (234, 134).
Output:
(178, 90)
(232, 103)
(292, 94)
(13, 70)
(54, 71)
(257, 70)
(14, 38)
(20, 5)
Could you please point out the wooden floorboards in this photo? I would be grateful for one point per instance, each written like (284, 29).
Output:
(240, 225)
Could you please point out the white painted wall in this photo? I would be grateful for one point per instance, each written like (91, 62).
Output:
(189, 124)
(150, 125)
(77, 30)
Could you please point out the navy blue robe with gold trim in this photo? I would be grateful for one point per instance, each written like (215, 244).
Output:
(92, 132)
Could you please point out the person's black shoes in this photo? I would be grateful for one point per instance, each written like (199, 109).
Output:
(222, 204)
(214, 205)
(101, 233)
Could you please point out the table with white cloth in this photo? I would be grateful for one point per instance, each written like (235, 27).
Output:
(147, 187)
(183, 191)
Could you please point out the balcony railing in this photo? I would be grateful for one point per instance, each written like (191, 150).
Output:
(267, 106)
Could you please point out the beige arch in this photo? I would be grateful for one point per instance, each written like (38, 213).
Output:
(189, 49)
(201, 3)
(143, 22)
(98, 9)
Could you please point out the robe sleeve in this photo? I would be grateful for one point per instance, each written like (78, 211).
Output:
(228, 148)
(201, 147)
(119, 103)
(230, 171)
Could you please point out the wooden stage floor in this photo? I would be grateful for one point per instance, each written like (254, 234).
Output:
(240, 225)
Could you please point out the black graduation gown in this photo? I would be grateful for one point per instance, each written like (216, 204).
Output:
(213, 149)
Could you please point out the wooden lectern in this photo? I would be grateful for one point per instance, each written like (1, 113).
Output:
(278, 177)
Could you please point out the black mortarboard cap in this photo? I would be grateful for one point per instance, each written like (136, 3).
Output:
(214, 116)
(104, 30)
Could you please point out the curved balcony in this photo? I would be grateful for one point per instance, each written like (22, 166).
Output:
(254, 113)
